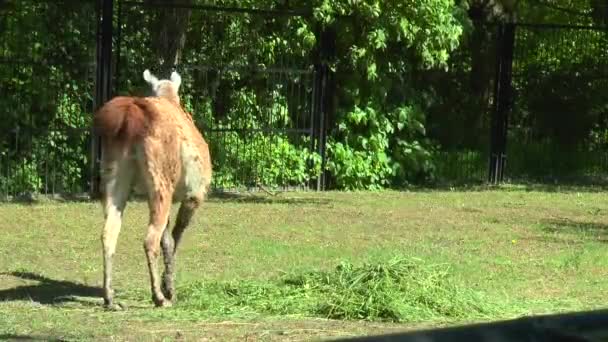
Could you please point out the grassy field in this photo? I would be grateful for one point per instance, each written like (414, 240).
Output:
(303, 266)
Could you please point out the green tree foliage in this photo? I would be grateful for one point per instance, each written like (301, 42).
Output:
(379, 137)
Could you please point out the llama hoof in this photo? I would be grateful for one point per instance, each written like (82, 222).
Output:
(114, 306)
(162, 302)
(165, 303)
(169, 292)
(169, 295)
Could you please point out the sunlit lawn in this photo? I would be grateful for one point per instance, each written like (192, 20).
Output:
(524, 251)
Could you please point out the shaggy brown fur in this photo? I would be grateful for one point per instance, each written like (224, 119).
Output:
(125, 119)
(152, 146)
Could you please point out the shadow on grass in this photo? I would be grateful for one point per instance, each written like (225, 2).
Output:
(287, 197)
(565, 187)
(579, 326)
(47, 291)
(280, 198)
(31, 198)
(513, 187)
(591, 230)
(12, 337)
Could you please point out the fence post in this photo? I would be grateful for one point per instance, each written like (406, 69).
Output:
(502, 102)
(317, 108)
(103, 82)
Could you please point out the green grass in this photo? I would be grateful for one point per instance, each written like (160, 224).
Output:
(300, 266)
(399, 290)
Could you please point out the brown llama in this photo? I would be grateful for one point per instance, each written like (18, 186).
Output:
(150, 146)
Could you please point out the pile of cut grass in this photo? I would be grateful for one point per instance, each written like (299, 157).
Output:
(397, 290)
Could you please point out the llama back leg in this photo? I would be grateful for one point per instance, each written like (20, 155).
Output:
(158, 168)
(160, 205)
(118, 179)
(160, 193)
(170, 241)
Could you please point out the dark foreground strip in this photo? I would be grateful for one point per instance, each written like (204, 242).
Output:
(571, 327)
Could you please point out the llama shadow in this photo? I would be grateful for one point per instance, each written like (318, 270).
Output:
(48, 291)
(262, 199)
(589, 230)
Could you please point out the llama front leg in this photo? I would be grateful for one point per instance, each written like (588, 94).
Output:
(159, 214)
(109, 238)
(170, 242)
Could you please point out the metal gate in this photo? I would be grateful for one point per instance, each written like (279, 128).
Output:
(551, 94)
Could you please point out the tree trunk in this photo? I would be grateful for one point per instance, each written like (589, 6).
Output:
(168, 31)
(482, 45)
(483, 61)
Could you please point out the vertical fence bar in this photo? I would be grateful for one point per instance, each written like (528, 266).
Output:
(313, 115)
(103, 84)
(117, 70)
(316, 108)
(502, 102)
(321, 79)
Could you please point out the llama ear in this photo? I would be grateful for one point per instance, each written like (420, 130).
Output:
(176, 79)
(150, 78)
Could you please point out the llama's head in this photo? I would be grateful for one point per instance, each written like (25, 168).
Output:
(168, 89)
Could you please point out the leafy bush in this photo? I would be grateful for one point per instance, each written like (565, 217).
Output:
(270, 160)
(375, 149)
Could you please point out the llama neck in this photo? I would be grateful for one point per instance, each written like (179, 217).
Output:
(174, 99)
(171, 97)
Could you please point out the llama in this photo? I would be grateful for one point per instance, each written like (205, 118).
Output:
(150, 146)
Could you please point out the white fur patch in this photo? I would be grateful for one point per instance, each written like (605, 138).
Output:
(176, 79)
(151, 79)
(193, 182)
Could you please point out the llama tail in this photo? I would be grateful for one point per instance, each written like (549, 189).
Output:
(124, 119)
